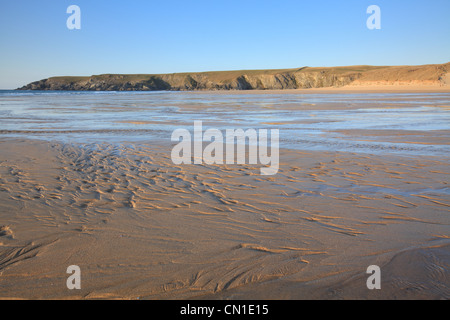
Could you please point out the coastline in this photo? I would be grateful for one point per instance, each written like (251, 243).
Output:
(351, 89)
(327, 78)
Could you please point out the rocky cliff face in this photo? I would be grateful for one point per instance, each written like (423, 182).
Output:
(195, 82)
(245, 80)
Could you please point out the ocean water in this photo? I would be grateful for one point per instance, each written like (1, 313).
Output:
(410, 124)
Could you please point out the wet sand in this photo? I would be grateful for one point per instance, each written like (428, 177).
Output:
(141, 227)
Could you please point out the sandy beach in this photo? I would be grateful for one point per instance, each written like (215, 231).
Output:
(141, 227)
(356, 89)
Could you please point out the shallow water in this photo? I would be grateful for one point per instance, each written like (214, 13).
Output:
(305, 121)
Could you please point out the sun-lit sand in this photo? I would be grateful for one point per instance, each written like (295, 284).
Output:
(141, 227)
(357, 88)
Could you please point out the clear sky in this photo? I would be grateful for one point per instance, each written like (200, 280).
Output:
(166, 36)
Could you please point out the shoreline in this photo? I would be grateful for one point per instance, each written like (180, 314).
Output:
(340, 90)
(351, 89)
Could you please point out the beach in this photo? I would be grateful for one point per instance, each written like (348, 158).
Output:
(363, 180)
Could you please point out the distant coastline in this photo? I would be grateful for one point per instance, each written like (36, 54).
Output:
(352, 77)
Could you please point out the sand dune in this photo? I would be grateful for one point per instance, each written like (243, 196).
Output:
(141, 227)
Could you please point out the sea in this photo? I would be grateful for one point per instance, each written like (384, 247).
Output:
(402, 123)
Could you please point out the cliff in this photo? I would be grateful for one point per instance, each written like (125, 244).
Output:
(302, 78)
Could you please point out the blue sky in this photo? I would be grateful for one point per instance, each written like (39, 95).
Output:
(146, 36)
